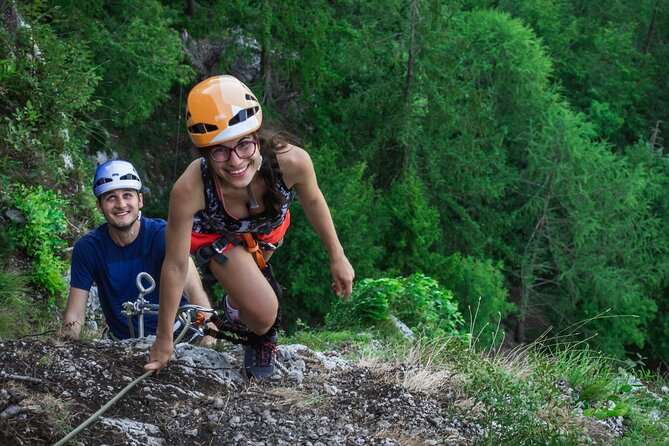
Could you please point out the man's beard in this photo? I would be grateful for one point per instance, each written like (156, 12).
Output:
(127, 227)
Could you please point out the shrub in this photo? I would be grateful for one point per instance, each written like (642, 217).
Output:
(478, 286)
(418, 301)
(40, 235)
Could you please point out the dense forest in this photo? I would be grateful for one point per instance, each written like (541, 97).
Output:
(512, 151)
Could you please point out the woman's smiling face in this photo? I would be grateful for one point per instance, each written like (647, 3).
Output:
(236, 161)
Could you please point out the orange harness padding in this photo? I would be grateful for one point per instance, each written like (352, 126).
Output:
(253, 247)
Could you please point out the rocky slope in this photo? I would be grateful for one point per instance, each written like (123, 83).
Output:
(49, 387)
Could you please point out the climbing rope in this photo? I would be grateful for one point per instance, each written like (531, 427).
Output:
(120, 395)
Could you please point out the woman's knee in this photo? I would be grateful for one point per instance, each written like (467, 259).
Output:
(259, 317)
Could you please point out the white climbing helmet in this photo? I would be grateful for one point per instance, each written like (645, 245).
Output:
(115, 174)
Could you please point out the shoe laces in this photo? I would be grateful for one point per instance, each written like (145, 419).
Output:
(263, 352)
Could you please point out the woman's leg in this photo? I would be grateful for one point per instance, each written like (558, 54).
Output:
(247, 289)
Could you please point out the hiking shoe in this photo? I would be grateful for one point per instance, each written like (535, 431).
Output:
(259, 356)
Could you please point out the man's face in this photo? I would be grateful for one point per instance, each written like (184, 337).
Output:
(121, 207)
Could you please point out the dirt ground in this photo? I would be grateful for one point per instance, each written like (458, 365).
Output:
(49, 387)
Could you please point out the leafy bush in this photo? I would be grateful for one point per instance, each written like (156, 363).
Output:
(418, 301)
(478, 287)
(40, 235)
(367, 305)
(46, 97)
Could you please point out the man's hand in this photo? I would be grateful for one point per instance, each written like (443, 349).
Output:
(69, 330)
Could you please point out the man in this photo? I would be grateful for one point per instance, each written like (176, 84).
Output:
(114, 253)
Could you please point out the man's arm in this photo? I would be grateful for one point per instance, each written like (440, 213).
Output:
(75, 313)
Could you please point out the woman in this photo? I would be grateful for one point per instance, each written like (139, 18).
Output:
(241, 185)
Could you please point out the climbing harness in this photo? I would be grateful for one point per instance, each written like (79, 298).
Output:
(214, 251)
(253, 247)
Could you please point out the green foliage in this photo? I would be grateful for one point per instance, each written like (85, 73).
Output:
(593, 241)
(605, 59)
(42, 132)
(367, 306)
(478, 287)
(41, 236)
(7, 68)
(483, 79)
(644, 158)
(426, 306)
(137, 53)
(413, 228)
(15, 305)
(418, 301)
(590, 375)
(301, 264)
(645, 414)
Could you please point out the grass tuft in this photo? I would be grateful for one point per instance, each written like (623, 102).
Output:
(549, 392)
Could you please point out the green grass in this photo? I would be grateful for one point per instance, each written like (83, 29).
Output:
(21, 310)
(15, 307)
(348, 342)
(545, 393)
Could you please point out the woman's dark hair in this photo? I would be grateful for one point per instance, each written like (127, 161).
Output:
(270, 142)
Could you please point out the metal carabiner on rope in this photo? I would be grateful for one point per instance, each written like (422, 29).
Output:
(191, 317)
(139, 304)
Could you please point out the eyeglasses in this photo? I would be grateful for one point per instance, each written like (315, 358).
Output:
(244, 149)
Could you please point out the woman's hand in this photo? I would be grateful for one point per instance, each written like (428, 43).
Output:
(159, 355)
(342, 276)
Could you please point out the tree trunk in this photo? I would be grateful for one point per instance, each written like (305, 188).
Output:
(651, 29)
(406, 161)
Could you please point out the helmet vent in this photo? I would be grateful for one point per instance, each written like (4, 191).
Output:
(243, 115)
(250, 97)
(202, 128)
(102, 181)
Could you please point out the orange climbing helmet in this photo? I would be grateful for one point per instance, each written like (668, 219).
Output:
(221, 109)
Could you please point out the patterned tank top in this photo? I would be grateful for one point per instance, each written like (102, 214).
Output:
(214, 219)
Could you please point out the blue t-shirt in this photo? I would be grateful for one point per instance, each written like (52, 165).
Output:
(96, 258)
